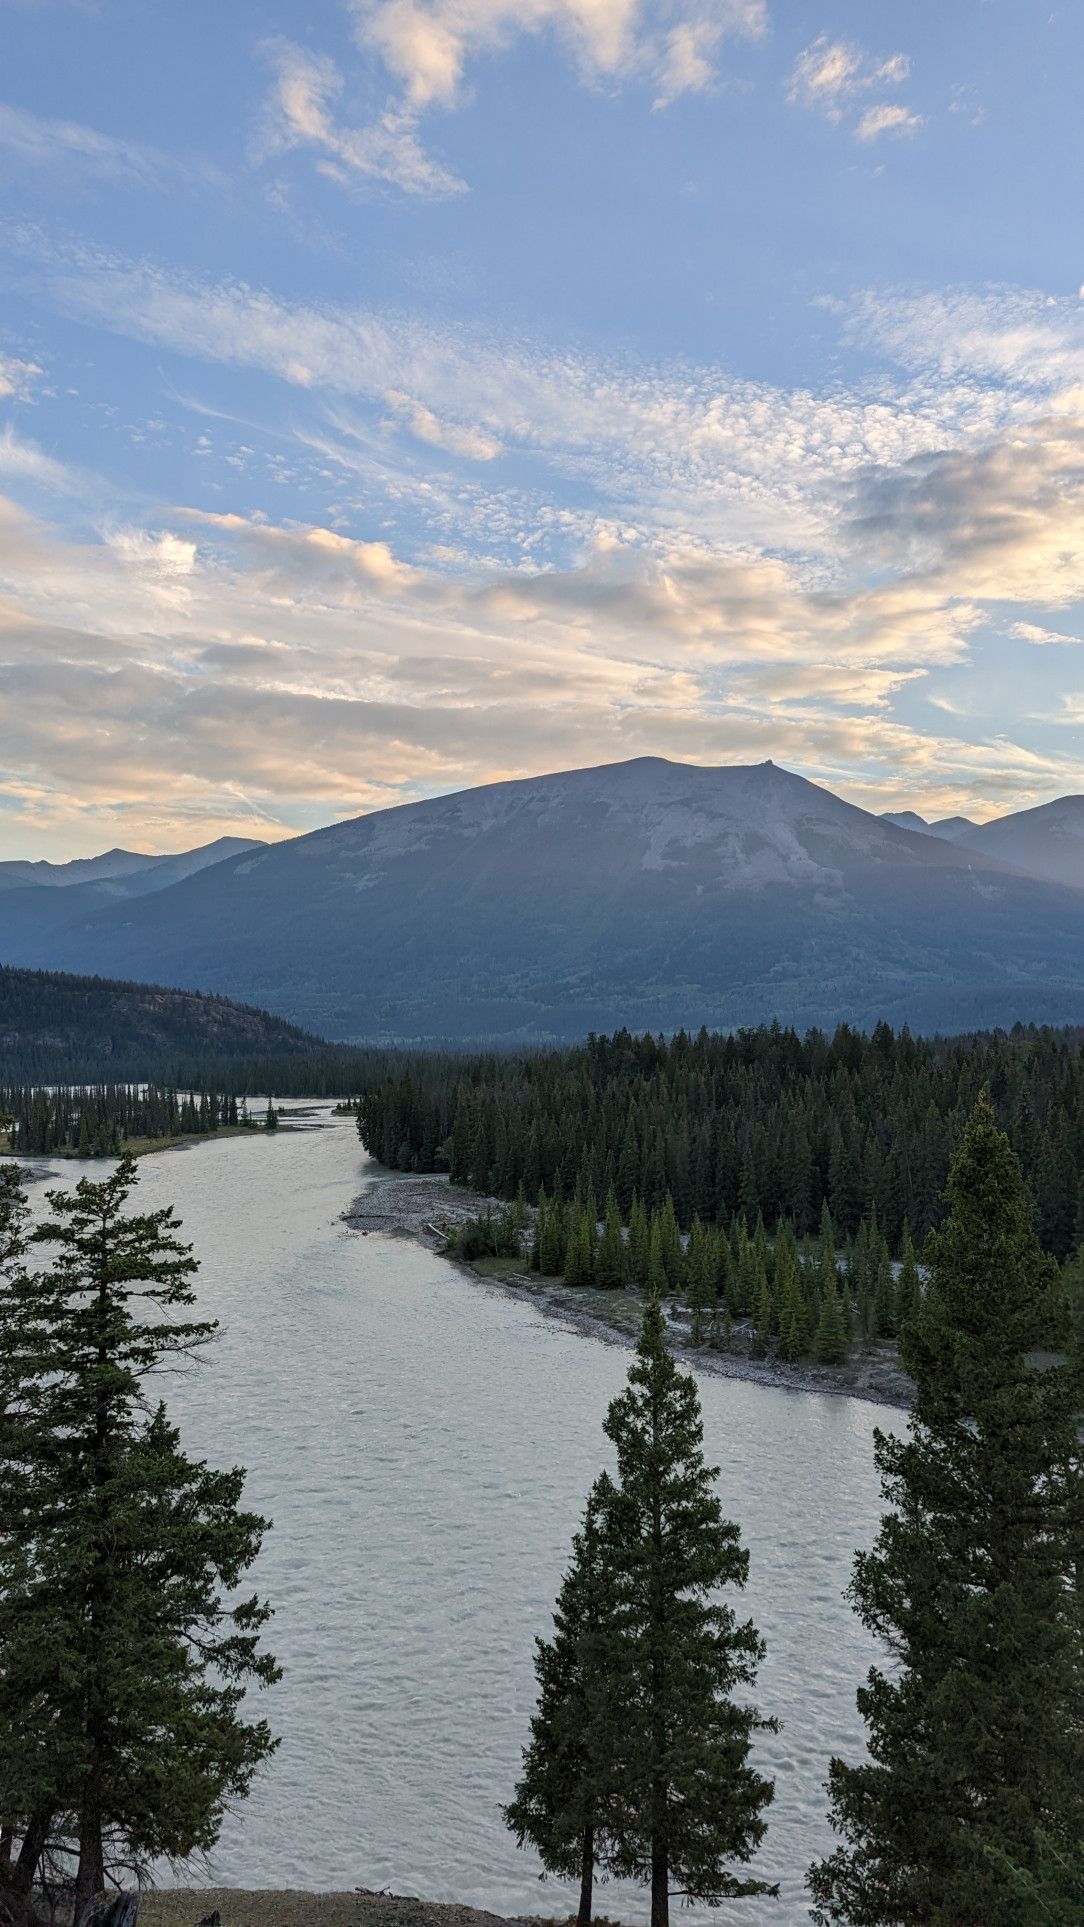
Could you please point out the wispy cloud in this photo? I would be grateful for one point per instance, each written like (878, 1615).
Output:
(832, 76)
(886, 118)
(426, 49)
(741, 570)
(84, 152)
(300, 114)
(17, 378)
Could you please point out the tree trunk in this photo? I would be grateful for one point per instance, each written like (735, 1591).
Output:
(587, 1878)
(660, 1882)
(26, 1866)
(90, 1878)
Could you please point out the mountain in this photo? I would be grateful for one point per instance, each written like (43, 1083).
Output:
(38, 898)
(952, 827)
(647, 893)
(129, 872)
(1046, 842)
(63, 1029)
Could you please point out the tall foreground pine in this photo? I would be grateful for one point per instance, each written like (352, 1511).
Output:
(560, 1802)
(685, 1800)
(976, 1732)
(121, 1670)
(639, 1756)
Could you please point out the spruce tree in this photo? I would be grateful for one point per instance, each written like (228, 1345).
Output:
(639, 1242)
(560, 1801)
(977, 1735)
(122, 1672)
(702, 1267)
(830, 1343)
(908, 1284)
(611, 1264)
(685, 1800)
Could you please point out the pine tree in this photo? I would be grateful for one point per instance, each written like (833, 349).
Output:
(611, 1264)
(977, 1737)
(685, 1798)
(560, 1801)
(702, 1268)
(830, 1343)
(122, 1672)
(639, 1242)
(271, 1119)
(908, 1284)
(656, 1268)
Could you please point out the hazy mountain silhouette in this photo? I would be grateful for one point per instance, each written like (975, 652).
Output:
(648, 893)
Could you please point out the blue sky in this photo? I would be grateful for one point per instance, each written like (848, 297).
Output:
(405, 395)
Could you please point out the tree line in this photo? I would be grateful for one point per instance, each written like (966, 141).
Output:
(968, 1810)
(98, 1120)
(756, 1122)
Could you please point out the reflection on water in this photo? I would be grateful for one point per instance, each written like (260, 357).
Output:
(424, 1447)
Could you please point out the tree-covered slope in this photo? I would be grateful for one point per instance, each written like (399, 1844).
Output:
(57, 1029)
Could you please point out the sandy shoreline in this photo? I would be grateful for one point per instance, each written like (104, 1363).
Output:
(415, 1206)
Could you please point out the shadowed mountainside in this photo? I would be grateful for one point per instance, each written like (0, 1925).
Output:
(648, 893)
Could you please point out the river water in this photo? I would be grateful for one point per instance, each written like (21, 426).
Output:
(424, 1445)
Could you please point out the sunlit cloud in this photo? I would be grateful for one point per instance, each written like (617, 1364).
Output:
(832, 77)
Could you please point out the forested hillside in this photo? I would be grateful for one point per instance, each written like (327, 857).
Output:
(56, 1028)
(762, 1121)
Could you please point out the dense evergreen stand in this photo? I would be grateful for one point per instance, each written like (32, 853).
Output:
(121, 1672)
(976, 1732)
(756, 1121)
(637, 1735)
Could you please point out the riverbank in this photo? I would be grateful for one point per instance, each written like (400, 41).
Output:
(291, 1907)
(416, 1206)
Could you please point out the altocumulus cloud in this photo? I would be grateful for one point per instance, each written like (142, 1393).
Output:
(764, 572)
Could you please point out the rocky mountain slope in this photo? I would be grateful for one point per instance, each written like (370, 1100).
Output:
(648, 893)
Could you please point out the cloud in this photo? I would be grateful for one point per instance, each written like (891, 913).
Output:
(427, 47)
(299, 114)
(831, 75)
(17, 378)
(470, 441)
(1030, 632)
(86, 152)
(886, 119)
(694, 565)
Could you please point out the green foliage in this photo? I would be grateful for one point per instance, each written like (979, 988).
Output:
(684, 1800)
(122, 1671)
(830, 1345)
(561, 1800)
(611, 1263)
(977, 1733)
(760, 1121)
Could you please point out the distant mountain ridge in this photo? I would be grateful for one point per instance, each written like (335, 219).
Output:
(649, 893)
(38, 898)
(1046, 842)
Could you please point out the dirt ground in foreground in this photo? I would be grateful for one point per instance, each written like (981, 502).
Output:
(184, 1907)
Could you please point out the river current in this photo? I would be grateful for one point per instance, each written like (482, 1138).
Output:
(424, 1445)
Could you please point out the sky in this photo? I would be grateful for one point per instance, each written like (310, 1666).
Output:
(399, 395)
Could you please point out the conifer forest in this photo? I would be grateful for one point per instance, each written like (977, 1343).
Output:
(759, 1122)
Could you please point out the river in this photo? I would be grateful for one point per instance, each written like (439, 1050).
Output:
(424, 1445)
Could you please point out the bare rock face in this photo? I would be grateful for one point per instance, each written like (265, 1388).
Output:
(646, 893)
